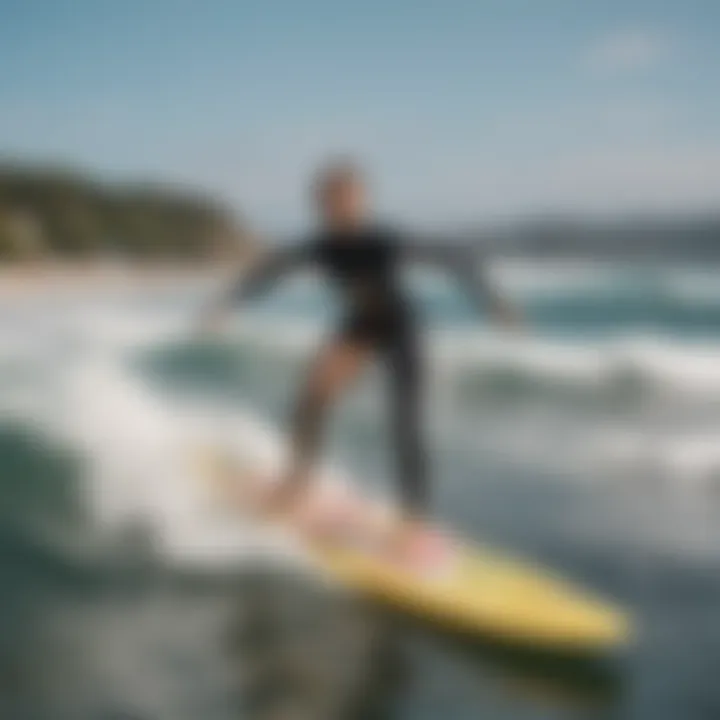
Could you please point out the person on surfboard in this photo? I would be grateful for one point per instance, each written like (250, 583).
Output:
(364, 260)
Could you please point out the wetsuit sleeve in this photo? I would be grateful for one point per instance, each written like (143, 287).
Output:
(465, 263)
(462, 261)
(266, 271)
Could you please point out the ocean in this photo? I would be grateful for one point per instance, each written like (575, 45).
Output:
(589, 443)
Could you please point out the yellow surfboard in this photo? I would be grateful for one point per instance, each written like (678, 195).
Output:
(483, 593)
(491, 595)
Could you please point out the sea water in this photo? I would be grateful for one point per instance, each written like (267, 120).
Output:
(588, 442)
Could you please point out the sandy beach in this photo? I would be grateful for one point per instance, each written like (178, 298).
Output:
(20, 279)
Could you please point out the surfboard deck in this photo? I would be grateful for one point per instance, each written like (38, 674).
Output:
(480, 592)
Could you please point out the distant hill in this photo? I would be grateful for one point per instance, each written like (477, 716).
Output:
(49, 213)
(672, 238)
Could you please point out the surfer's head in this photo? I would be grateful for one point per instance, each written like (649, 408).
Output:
(340, 194)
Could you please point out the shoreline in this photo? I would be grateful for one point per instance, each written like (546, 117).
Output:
(28, 278)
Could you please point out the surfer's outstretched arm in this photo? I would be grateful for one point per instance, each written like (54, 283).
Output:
(256, 280)
(463, 262)
(264, 273)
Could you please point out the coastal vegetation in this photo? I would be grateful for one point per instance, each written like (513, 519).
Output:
(51, 213)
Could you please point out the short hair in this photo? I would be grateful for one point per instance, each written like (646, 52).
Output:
(337, 172)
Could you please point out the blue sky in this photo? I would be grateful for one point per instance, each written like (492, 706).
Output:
(461, 109)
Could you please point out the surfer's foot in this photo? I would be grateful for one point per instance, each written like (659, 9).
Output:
(283, 500)
(330, 512)
(419, 547)
(258, 493)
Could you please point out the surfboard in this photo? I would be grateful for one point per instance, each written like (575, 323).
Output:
(480, 592)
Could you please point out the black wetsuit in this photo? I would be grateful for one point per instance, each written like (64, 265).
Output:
(365, 265)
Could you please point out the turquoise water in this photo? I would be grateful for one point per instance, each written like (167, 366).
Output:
(589, 444)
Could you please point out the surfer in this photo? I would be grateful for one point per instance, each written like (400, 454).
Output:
(364, 260)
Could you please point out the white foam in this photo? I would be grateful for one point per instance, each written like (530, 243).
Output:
(691, 368)
(137, 441)
(141, 470)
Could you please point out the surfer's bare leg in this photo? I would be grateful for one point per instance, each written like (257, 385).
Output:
(405, 391)
(333, 370)
(412, 540)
